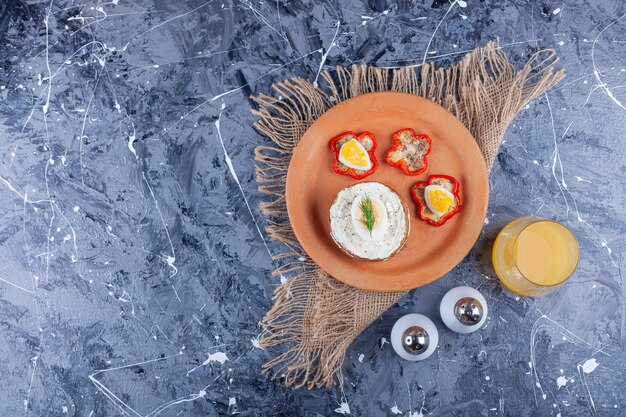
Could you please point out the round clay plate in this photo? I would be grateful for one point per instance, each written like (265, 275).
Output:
(430, 252)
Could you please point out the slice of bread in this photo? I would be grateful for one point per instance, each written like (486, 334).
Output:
(392, 251)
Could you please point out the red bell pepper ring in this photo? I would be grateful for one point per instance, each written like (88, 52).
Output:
(368, 140)
(417, 193)
(409, 151)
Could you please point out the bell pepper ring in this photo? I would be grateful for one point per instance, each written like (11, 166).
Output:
(409, 151)
(367, 140)
(424, 212)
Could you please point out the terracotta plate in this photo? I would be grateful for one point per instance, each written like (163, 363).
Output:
(430, 252)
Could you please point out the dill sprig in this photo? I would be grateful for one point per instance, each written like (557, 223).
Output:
(369, 218)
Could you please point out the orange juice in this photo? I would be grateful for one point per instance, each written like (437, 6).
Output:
(532, 256)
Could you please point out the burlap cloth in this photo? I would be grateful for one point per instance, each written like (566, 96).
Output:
(317, 316)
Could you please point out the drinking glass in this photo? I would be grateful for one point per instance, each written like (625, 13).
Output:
(533, 256)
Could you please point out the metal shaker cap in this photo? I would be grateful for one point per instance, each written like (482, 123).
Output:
(469, 311)
(415, 340)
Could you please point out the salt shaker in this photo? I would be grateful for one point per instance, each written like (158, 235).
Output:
(463, 309)
(414, 337)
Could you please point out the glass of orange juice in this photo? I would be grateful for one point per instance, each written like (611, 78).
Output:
(533, 257)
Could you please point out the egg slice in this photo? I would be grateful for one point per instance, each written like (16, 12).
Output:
(438, 199)
(381, 220)
(353, 155)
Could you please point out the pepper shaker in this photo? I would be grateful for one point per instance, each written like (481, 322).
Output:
(414, 337)
(463, 309)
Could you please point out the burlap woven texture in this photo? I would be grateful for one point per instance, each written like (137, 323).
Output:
(316, 316)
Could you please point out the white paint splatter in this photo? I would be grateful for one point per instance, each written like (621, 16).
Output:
(122, 405)
(171, 258)
(561, 43)
(561, 381)
(590, 365)
(344, 408)
(161, 24)
(255, 343)
(170, 262)
(213, 357)
(557, 158)
(462, 4)
(396, 410)
(76, 208)
(131, 142)
(556, 11)
(216, 357)
(233, 173)
(361, 357)
(597, 73)
(437, 28)
(532, 363)
(232, 401)
(383, 340)
(367, 19)
(586, 368)
(325, 54)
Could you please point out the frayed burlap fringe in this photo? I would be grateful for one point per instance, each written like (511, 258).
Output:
(317, 316)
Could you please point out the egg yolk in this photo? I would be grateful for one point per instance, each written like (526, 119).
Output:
(440, 200)
(354, 155)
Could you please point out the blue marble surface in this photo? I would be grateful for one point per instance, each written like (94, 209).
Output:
(134, 266)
